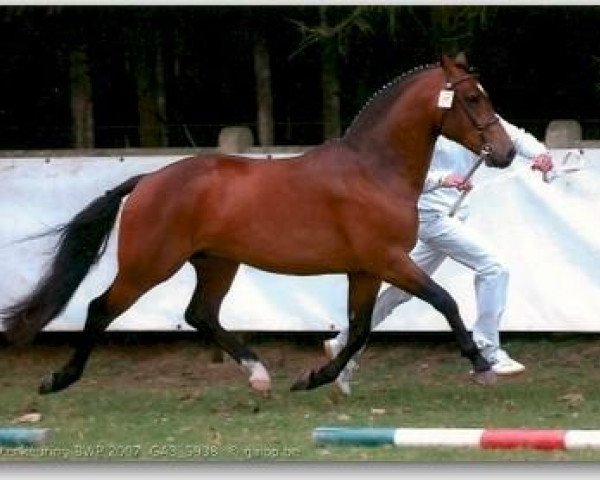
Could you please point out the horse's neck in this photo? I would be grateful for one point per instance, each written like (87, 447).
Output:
(413, 165)
(401, 142)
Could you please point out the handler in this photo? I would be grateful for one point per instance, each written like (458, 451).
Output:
(441, 235)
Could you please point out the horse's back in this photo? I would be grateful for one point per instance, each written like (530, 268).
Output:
(305, 214)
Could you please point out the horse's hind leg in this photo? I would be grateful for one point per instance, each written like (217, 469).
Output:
(410, 278)
(101, 312)
(214, 278)
(362, 293)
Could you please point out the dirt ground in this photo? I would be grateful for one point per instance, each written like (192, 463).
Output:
(180, 361)
(155, 361)
(159, 361)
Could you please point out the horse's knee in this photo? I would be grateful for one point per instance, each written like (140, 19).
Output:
(98, 316)
(200, 321)
(97, 307)
(190, 317)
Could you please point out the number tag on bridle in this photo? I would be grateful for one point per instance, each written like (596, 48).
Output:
(445, 99)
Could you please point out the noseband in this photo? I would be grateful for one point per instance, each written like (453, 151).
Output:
(486, 147)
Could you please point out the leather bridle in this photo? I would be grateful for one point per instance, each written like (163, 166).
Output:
(481, 127)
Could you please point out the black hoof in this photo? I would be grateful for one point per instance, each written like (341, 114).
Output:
(55, 382)
(486, 378)
(304, 382)
(47, 385)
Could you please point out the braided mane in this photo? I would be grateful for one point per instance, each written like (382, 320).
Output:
(379, 99)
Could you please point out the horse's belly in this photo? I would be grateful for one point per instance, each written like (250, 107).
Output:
(288, 254)
(298, 265)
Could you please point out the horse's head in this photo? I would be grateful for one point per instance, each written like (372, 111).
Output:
(468, 117)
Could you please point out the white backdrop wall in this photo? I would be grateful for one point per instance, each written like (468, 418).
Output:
(548, 234)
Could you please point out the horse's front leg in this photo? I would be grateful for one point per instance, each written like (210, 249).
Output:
(362, 292)
(406, 275)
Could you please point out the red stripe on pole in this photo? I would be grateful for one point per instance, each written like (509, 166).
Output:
(522, 438)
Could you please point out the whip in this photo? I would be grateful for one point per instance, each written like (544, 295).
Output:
(572, 162)
(463, 195)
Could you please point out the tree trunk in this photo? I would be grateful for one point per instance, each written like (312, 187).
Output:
(82, 107)
(161, 97)
(264, 96)
(150, 79)
(330, 84)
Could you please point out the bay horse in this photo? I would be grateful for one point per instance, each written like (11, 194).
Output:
(346, 206)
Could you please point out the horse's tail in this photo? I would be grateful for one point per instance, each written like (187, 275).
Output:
(82, 242)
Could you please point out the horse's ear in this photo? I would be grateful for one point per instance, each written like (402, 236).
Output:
(461, 60)
(445, 61)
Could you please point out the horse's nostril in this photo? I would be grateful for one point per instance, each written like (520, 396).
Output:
(512, 153)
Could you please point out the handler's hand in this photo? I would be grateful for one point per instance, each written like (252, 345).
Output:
(456, 181)
(543, 163)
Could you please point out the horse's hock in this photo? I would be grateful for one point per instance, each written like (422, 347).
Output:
(235, 139)
(562, 133)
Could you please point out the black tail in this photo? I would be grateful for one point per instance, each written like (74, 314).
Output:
(82, 242)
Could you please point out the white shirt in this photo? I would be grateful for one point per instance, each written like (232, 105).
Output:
(450, 157)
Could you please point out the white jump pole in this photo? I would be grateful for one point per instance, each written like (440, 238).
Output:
(501, 438)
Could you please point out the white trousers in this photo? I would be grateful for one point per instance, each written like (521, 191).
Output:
(440, 237)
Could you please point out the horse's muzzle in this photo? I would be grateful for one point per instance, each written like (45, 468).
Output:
(495, 160)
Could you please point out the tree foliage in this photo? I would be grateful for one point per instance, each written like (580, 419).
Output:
(175, 76)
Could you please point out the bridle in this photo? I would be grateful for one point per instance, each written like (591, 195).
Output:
(486, 147)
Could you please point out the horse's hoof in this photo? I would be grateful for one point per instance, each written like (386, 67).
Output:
(55, 382)
(46, 385)
(261, 385)
(335, 395)
(303, 382)
(260, 380)
(487, 377)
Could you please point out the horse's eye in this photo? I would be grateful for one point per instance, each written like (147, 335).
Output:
(472, 98)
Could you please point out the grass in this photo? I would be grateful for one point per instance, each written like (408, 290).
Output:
(167, 401)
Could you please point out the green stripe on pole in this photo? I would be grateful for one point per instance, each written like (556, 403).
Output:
(23, 437)
(353, 436)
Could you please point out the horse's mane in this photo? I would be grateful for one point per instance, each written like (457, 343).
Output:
(379, 100)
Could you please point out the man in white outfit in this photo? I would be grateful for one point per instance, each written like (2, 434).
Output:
(441, 235)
